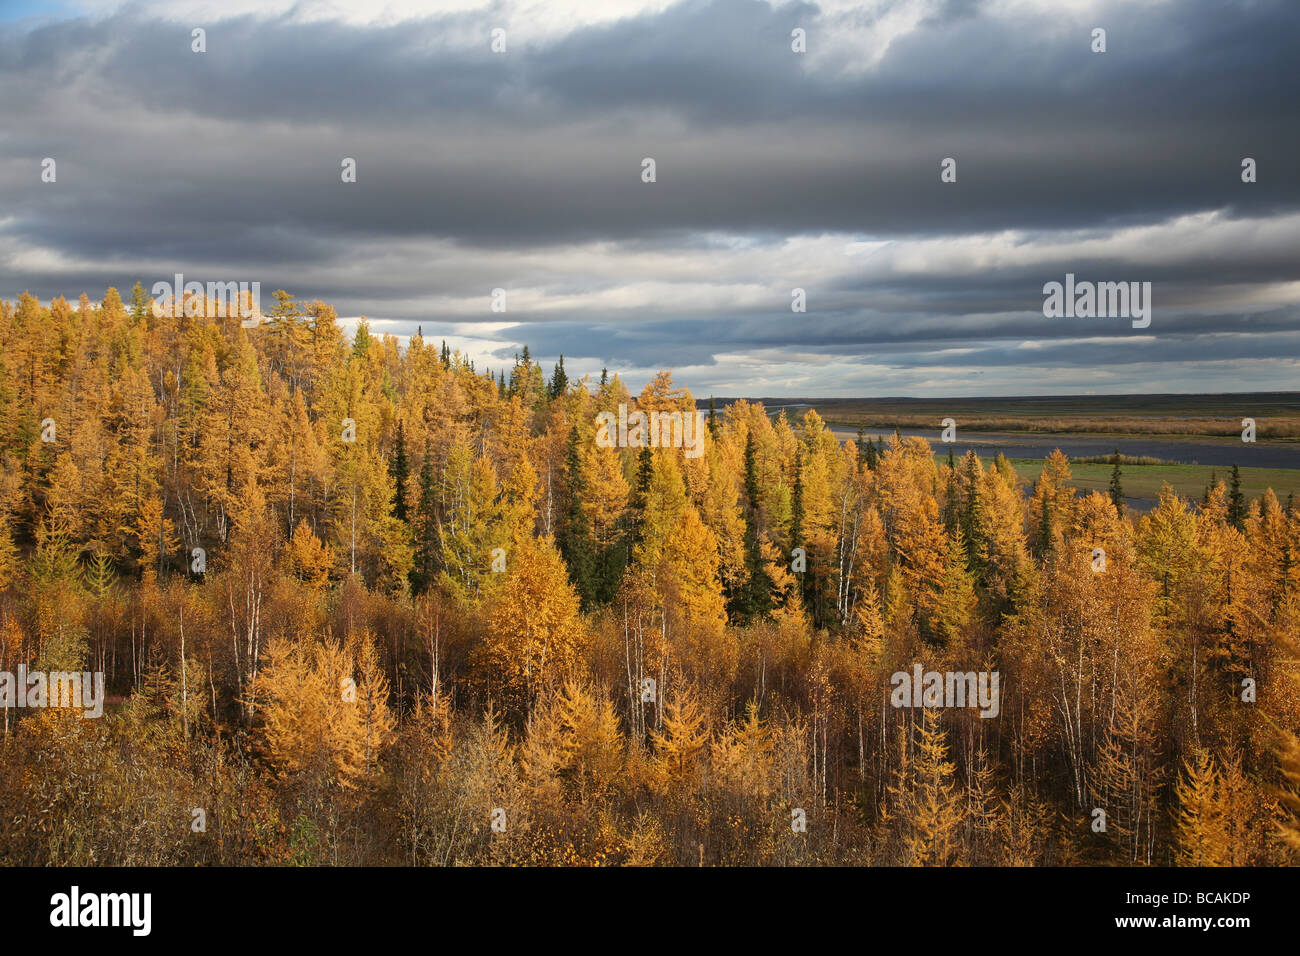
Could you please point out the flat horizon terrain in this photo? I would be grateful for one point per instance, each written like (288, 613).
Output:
(1194, 437)
(1276, 414)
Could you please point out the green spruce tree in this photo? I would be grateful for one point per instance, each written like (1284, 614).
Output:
(400, 469)
(1116, 489)
(1236, 501)
(575, 529)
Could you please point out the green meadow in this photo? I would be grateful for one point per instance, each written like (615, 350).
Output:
(1144, 481)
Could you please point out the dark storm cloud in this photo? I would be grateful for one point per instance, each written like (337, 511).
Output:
(875, 338)
(227, 163)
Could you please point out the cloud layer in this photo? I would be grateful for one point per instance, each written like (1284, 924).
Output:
(522, 170)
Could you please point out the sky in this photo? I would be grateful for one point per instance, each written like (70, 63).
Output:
(522, 170)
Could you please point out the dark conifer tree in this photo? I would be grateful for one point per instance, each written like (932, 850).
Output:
(575, 530)
(1236, 501)
(756, 600)
(952, 500)
(559, 380)
(399, 468)
(1116, 489)
(640, 489)
(1044, 542)
(426, 526)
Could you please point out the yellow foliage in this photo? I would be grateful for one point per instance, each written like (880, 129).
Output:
(324, 710)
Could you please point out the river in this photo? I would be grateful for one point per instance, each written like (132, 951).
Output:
(1218, 452)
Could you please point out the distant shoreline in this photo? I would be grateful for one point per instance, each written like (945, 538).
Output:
(1170, 417)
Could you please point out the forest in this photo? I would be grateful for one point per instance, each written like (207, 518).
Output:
(358, 602)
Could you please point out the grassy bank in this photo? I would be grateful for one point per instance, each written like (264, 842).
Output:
(1144, 481)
